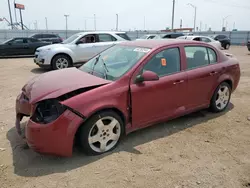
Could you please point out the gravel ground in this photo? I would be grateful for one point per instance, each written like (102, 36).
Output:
(199, 150)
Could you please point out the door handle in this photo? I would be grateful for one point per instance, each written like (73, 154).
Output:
(213, 73)
(178, 82)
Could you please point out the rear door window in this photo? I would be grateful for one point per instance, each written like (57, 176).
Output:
(106, 38)
(199, 56)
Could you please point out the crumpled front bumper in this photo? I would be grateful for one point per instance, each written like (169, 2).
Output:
(23, 108)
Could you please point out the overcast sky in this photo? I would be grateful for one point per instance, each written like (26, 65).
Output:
(157, 13)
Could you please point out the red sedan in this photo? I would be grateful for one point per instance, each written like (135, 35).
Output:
(127, 87)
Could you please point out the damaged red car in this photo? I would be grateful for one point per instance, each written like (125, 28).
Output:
(127, 87)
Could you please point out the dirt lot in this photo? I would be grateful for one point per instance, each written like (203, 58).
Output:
(199, 150)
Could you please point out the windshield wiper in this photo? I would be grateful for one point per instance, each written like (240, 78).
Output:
(104, 65)
(96, 61)
(105, 68)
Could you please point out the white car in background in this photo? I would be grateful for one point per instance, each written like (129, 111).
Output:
(206, 39)
(150, 36)
(77, 49)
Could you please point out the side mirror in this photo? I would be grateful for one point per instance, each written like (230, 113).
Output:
(79, 42)
(146, 76)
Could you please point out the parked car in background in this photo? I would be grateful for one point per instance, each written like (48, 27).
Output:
(248, 45)
(224, 40)
(206, 39)
(77, 49)
(171, 35)
(20, 46)
(52, 38)
(150, 36)
(101, 101)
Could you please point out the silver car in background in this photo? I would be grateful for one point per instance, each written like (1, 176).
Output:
(77, 49)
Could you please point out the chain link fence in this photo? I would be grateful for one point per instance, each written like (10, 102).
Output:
(237, 37)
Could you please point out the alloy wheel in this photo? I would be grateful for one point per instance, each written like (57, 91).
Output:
(62, 63)
(223, 97)
(104, 134)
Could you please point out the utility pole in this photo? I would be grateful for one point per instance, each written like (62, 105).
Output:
(95, 22)
(144, 23)
(66, 18)
(223, 20)
(46, 23)
(15, 11)
(11, 22)
(195, 9)
(181, 23)
(117, 22)
(173, 15)
(21, 18)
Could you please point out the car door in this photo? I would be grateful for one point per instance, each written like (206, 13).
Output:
(200, 76)
(154, 101)
(16, 47)
(85, 50)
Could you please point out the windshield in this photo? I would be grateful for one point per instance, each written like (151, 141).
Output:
(4, 42)
(114, 62)
(71, 39)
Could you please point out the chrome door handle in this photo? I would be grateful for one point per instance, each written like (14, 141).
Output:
(178, 82)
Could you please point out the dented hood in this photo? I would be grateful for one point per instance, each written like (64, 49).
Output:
(56, 83)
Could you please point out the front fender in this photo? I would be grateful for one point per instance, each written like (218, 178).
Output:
(61, 50)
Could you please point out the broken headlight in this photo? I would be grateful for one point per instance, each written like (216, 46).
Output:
(47, 111)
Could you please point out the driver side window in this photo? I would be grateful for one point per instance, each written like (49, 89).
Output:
(165, 62)
(17, 41)
(88, 39)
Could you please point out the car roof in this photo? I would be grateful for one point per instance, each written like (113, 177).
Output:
(100, 32)
(157, 43)
(190, 37)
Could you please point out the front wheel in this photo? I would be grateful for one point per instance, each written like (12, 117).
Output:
(101, 133)
(221, 98)
(61, 62)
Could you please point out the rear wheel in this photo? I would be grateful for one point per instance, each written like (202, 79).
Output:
(101, 133)
(221, 98)
(61, 62)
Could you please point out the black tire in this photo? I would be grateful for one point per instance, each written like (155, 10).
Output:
(63, 57)
(88, 127)
(213, 107)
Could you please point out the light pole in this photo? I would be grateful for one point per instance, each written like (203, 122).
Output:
(95, 22)
(195, 9)
(116, 22)
(15, 11)
(223, 20)
(66, 18)
(173, 15)
(11, 22)
(46, 23)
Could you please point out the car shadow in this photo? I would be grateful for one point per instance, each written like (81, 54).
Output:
(39, 70)
(16, 57)
(28, 163)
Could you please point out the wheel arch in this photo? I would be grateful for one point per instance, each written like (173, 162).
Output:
(227, 80)
(114, 109)
(61, 53)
